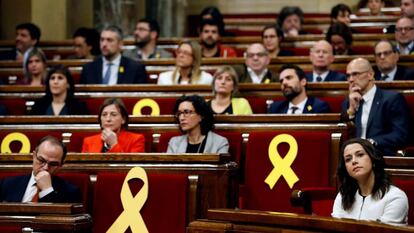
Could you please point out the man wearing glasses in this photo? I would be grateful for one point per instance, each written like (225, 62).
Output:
(404, 35)
(386, 59)
(41, 185)
(380, 116)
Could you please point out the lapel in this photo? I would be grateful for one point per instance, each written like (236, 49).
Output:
(98, 70)
(121, 71)
(308, 105)
(329, 76)
(209, 142)
(21, 188)
(399, 75)
(374, 107)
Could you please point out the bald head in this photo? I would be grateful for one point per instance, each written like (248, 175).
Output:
(360, 63)
(360, 75)
(323, 44)
(321, 56)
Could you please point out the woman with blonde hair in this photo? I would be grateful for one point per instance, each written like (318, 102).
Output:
(35, 68)
(187, 67)
(225, 87)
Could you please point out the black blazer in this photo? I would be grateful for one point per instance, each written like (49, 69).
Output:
(12, 190)
(74, 106)
(313, 105)
(132, 72)
(331, 77)
(403, 73)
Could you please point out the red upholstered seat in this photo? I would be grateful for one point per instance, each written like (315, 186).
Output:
(10, 229)
(408, 187)
(82, 181)
(164, 211)
(310, 166)
(335, 102)
(14, 106)
(33, 136)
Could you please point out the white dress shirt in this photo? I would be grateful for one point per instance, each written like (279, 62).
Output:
(323, 76)
(391, 75)
(300, 107)
(256, 78)
(31, 190)
(366, 108)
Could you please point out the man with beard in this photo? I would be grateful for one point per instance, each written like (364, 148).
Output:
(293, 86)
(27, 37)
(380, 116)
(146, 35)
(210, 38)
(112, 68)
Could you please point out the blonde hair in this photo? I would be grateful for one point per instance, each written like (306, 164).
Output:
(233, 74)
(195, 67)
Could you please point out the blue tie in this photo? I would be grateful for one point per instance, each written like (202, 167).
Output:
(107, 75)
(319, 79)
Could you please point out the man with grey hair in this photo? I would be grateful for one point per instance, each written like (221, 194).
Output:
(404, 35)
(112, 68)
(381, 116)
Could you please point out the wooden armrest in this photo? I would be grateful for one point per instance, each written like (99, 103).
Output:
(41, 208)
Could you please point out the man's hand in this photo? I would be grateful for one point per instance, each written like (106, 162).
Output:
(43, 180)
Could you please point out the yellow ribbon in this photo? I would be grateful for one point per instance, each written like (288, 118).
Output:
(282, 165)
(131, 216)
(15, 136)
(155, 109)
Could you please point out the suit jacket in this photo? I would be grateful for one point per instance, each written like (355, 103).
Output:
(214, 144)
(12, 190)
(74, 107)
(403, 73)
(313, 105)
(127, 142)
(388, 121)
(133, 72)
(332, 76)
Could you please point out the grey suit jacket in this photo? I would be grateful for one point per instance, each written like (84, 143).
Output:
(214, 144)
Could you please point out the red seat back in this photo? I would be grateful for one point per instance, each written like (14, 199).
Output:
(33, 136)
(310, 166)
(82, 181)
(408, 187)
(335, 102)
(164, 211)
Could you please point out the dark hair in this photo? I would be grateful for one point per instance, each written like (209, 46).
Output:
(60, 69)
(299, 72)
(120, 105)
(342, 30)
(339, 8)
(91, 36)
(116, 29)
(202, 108)
(288, 11)
(349, 186)
(392, 44)
(278, 31)
(152, 23)
(211, 22)
(215, 15)
(53, 141)
(34, 30)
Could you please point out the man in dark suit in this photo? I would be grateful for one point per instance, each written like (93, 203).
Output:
(293, 86)
(386, 58)
(113, 68)
(321, 56)
(381, 116)
(41, 185)
(404, 35)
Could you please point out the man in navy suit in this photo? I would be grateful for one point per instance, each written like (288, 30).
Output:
(381, 116)
(41, 185)
(321, 56)
(113, 68)
(386, 58)
(293, 86)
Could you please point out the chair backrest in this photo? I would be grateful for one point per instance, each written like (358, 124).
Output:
(408, 187)
(32, 136)
(165, 209)
(82, 181)
(311, 166)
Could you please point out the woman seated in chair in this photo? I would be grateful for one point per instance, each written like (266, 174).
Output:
(196, 121)
(35, 69)
(114, 137)
(187, 67)
(59, 98)
(365, 191)
(225, 86)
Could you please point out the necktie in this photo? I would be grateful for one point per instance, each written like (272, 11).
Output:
(319, 79)
(294, 108)
(107, 75)
(105, 148)
(358, 117)
(383, 78)
(35, 198)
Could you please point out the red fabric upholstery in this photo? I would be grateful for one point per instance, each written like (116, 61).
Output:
(335, 102)
(15, 106)
(10, 229)
(408, 187)
(34, 138)
(164, 211)
(82, 181)
(310, 166)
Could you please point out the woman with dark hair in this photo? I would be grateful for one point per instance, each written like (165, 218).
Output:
(225, 88)
(187, 67)
(365, 191)
(340, 37)
(59, 98)
(35, 69)
(272, 37)
(113, 119)
(341, 13)
(290, 20)
(196, 121)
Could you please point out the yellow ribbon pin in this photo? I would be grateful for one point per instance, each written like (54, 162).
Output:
(131, 216)
(155, 109)
(15, 136)
(282, 165)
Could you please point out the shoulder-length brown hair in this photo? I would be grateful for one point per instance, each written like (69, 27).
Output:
(195, 67)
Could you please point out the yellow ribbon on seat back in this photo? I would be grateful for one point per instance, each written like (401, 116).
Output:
(15, 136)
(155, 108)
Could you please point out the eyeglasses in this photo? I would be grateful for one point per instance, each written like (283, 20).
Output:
(183, 52)
(251, 55)
(385, 53)
(269, 37)
(406, 29)
(355, 74)
(185, 113)
(43, 161)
